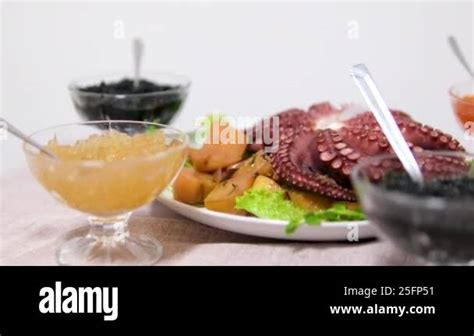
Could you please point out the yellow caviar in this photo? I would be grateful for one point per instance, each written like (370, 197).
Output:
(111, 146)
(109, 173)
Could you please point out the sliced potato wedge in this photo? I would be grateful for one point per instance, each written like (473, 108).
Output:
(192, 187)
(216, 154)
(309, 201)
(353, 205)
(222, 197)
(256, 164)
(263, 182)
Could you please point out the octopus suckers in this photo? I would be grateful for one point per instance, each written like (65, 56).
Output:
(327, 156)
(321, 159)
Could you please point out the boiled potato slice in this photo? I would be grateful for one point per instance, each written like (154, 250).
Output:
(263, 182)
(191, 186)
(352, 205)
(256, 164)
(222, 197)
(261, 165)
(309, 201)
(213, 156)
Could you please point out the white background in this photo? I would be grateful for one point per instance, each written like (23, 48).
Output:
(243, 58)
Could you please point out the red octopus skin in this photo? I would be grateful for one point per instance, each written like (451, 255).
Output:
(337, 152)
(295, 119)
(321, 160)
(432, 166)
(287, 119)
(297, 170)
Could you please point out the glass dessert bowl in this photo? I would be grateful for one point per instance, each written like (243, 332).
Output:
(433, 221)
(462, 101)
(107, 169)
(158, 97)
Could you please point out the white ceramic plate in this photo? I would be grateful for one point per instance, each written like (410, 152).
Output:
(266, 227)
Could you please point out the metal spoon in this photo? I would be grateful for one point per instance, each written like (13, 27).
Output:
(384, 117)
(137, 60)
(16, 132)
(453, 43)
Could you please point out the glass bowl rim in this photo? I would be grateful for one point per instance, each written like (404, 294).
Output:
(74, 87)
(28, 149)
(456, 96)
(402, 197)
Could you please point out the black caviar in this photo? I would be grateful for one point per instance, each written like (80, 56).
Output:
(449, 187)
(121, 100)
(126, 86)
(437, 231)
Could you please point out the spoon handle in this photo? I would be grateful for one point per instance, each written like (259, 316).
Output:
(384, 117)
(19, 134)
(453, 43)
(137, 60)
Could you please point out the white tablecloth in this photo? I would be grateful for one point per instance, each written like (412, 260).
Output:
(32, 225)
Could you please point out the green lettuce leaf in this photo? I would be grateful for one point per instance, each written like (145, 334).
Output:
(471, 168)
(268, 204)
(188, 163)
(271, 205)
(200, 135)
(338, 212)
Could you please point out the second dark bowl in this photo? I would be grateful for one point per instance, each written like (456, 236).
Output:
(94, 100)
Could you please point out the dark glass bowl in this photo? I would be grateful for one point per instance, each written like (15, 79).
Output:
(159, 98)
(438, 230)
